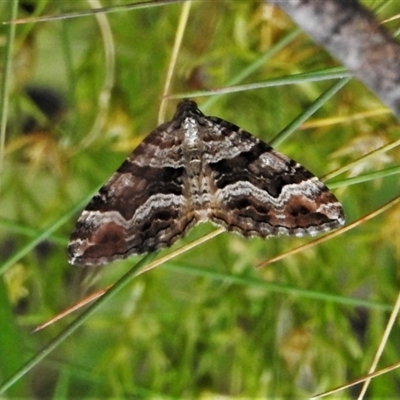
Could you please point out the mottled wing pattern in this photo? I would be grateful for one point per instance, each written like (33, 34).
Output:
(193, 169)
(140, 209)
(258, 191)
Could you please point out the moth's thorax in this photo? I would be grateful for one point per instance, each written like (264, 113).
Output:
(197, 183)
(191, 134)
(192, 145)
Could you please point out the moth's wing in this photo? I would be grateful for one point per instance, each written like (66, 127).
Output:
(140, 209)
(257, 191)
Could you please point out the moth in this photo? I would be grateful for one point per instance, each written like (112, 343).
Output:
(193, 169)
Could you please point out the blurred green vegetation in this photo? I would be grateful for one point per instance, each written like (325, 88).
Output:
(208, 323)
